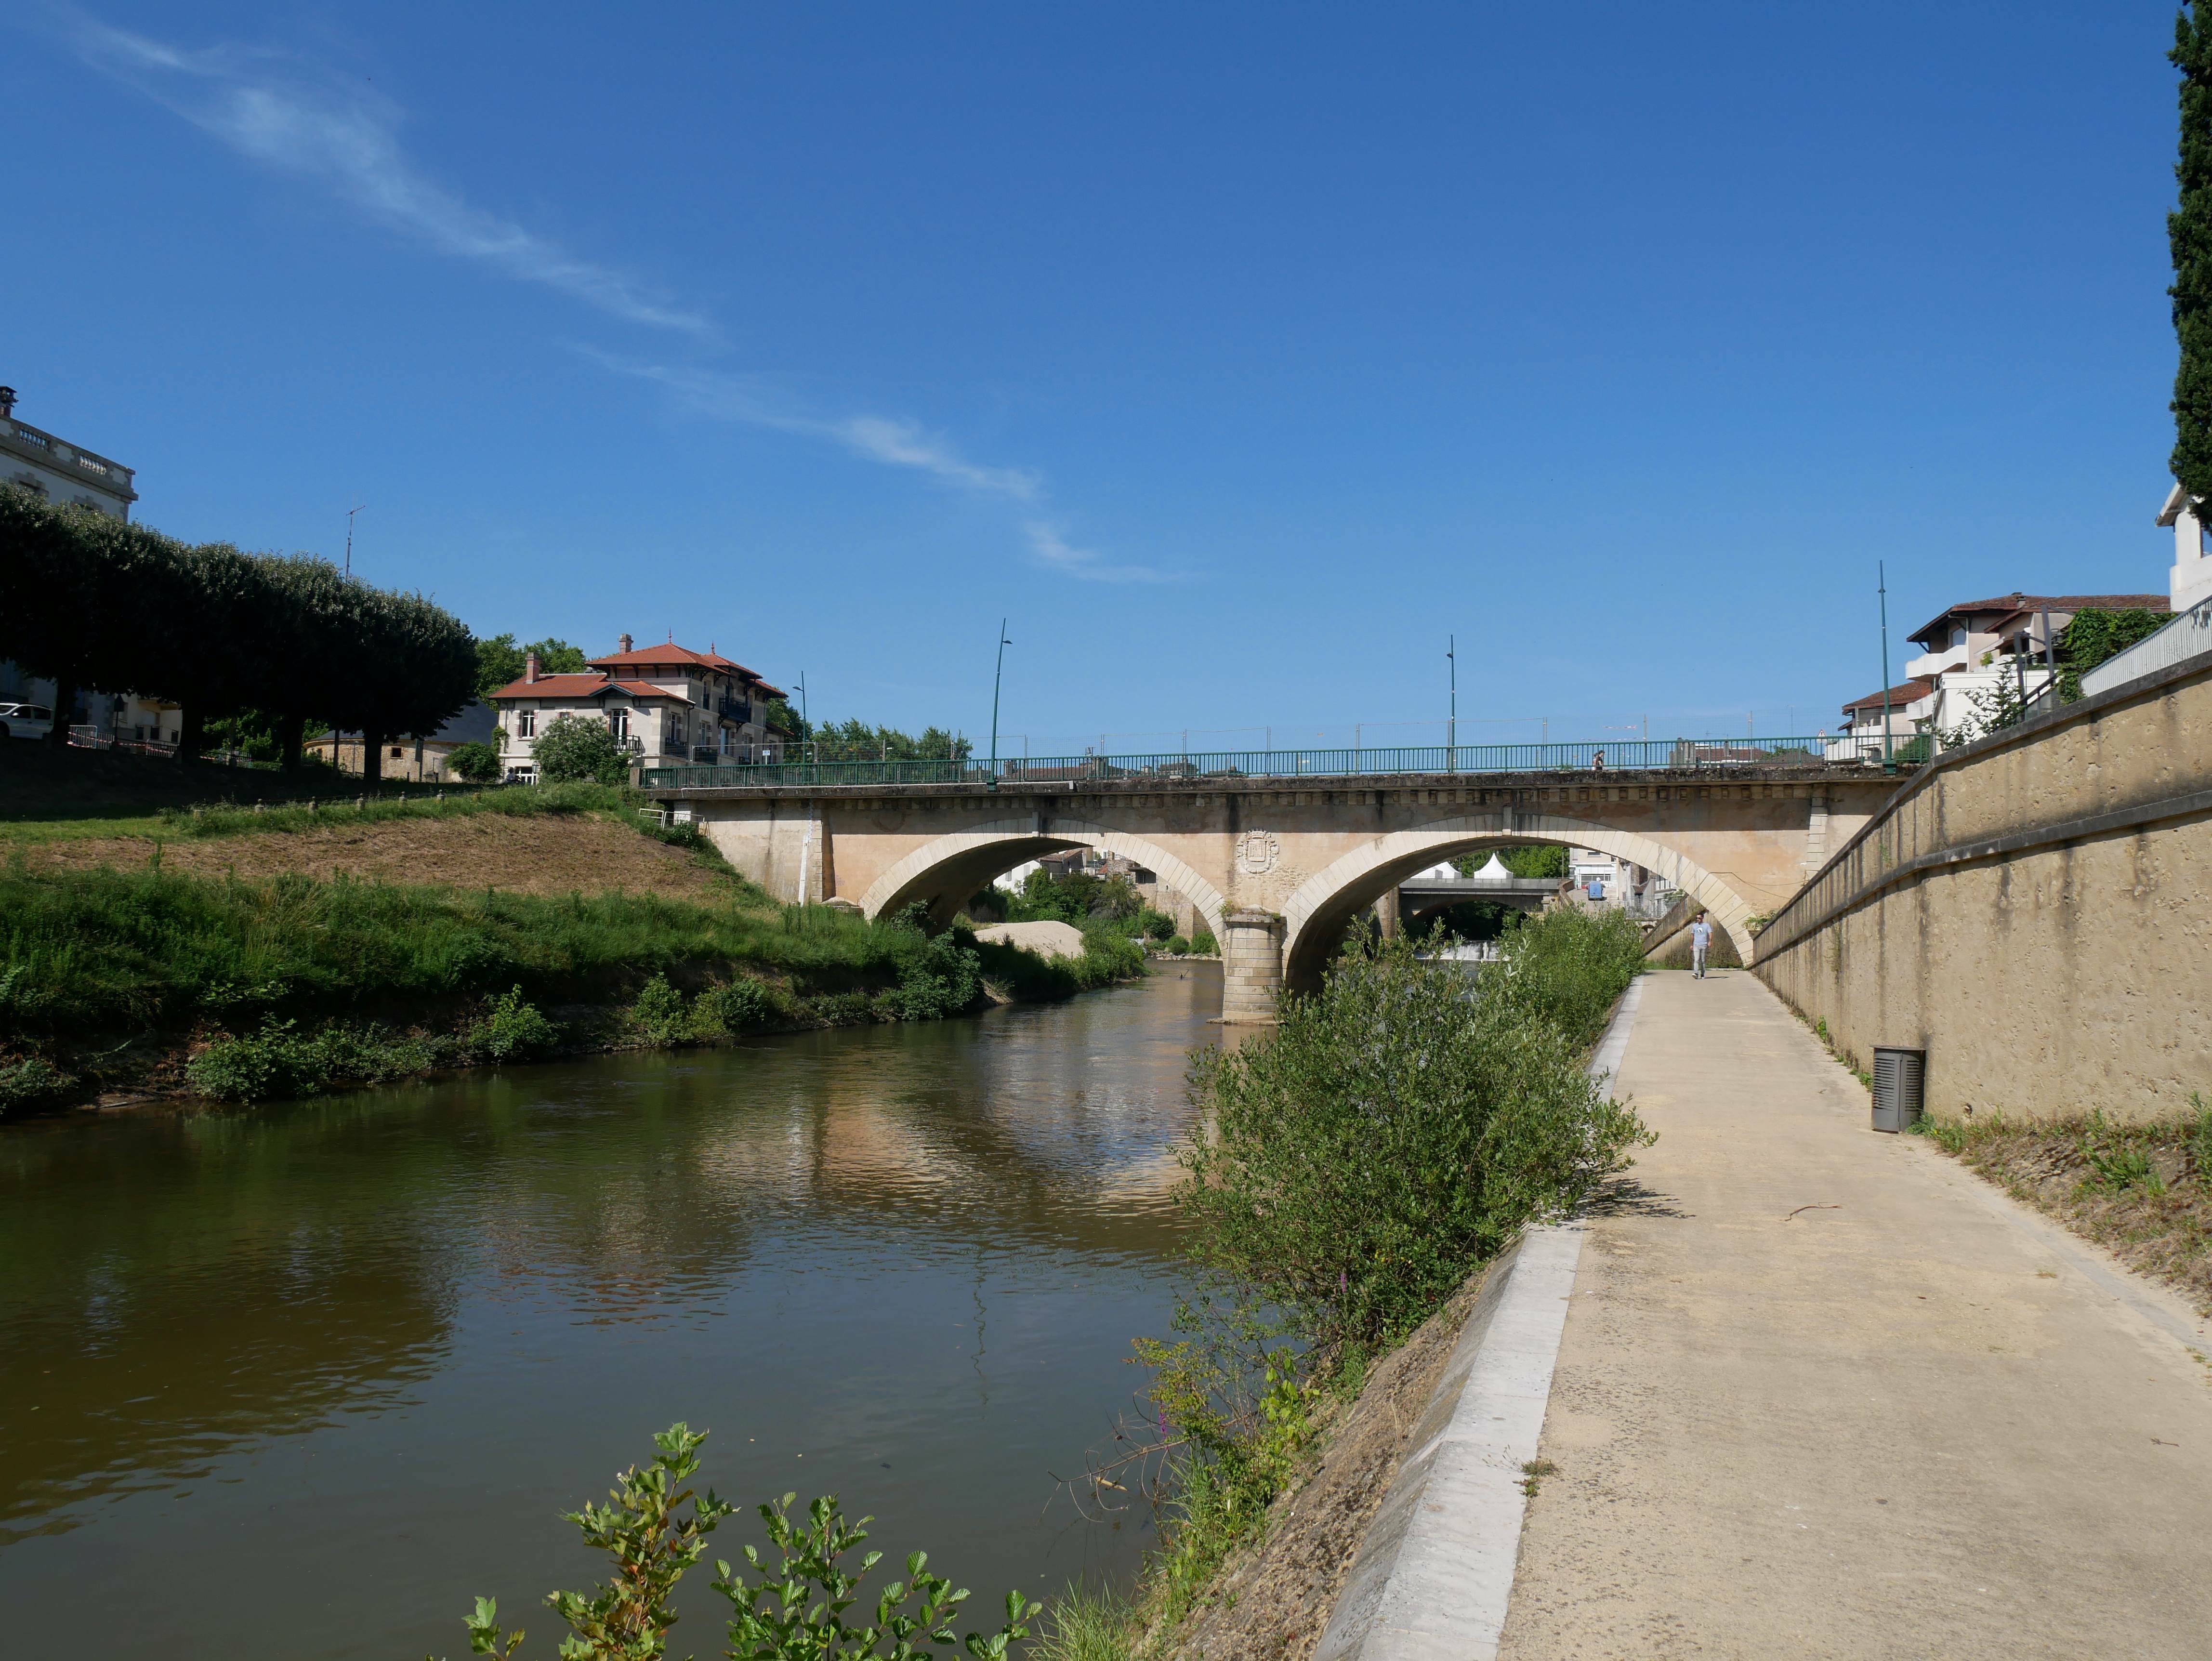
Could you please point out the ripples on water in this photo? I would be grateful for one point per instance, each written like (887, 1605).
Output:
(303, 1380)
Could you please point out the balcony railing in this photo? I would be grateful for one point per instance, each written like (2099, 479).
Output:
(1635, 756)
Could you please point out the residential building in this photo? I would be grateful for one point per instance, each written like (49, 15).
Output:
(1975, 651)
(667, 705)
(1860, 738)
(1971, 654)
(417, 760)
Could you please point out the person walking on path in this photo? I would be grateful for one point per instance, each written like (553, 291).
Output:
(1701, 938)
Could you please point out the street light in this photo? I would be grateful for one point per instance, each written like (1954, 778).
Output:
(812, 753)
(998, 676)
(1451, 726)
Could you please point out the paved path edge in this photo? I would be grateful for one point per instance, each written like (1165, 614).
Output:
(1435, 1569)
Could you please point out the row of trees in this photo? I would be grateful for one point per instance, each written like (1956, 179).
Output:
(92, 603)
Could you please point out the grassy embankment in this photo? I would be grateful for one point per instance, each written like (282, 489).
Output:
(2144, 1192)
(123, 971)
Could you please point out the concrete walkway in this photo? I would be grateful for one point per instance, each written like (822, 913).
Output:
(1909, 1421)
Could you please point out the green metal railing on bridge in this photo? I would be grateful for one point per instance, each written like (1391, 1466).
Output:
(1635, 756)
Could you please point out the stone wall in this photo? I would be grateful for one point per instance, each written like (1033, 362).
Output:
(2034, 910)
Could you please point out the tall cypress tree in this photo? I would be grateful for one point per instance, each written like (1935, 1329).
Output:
(2189, 228)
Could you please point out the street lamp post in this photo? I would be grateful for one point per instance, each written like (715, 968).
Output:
(998, 676)
(812, 753)
(1882, 588)
(1451, 724)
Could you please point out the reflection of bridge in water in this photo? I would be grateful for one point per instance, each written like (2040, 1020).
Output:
(1277, 855)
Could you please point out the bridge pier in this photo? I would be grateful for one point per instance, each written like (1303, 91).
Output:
(1251, 967)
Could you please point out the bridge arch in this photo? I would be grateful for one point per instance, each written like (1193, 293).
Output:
(1317, 911)
(943, 872)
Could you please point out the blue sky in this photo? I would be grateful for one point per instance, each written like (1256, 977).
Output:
(1237, 355)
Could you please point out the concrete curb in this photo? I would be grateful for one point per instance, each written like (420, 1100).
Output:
(1434, 1571)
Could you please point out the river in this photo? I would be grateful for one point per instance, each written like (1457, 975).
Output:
(303, 1380)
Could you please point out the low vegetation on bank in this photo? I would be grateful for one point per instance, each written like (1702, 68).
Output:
(1391, 1135)
(145, 979)
(2142, 1190)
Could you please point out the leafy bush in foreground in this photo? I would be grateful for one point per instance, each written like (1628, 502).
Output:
(1398, 1128)
(795, 1612)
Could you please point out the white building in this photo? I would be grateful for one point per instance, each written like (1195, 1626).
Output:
(59, 471)
(2189, 582)
(668, 705)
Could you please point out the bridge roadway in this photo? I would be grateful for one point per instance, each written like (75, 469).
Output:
(1279, 866)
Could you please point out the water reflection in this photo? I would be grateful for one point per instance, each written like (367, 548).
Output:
(324, 1370)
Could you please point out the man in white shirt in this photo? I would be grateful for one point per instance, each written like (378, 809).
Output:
(1701, 936)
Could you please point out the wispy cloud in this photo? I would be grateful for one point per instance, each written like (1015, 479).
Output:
(1053, 551)
(896, 442)
(288, 115)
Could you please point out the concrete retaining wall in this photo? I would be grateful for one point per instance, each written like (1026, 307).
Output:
(2034, 910)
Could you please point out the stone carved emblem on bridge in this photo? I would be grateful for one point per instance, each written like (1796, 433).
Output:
(1257, 852)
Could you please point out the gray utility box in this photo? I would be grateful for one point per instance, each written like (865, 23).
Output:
(1901, 1081)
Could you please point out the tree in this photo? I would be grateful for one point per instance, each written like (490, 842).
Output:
(476, 762)
(2189, 231)
(580, 747)
(501, 662)
(413, 667)
(84, 598)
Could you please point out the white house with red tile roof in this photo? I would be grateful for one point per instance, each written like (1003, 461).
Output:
(668, 705)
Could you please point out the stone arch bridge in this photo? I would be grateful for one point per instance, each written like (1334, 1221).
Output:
(1279, 867)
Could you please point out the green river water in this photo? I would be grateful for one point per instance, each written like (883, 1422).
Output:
(302, 1380)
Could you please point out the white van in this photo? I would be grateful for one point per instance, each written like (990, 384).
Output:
(26, 720)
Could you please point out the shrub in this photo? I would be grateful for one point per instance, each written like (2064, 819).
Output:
(735, 1007)
(1393, 1131)
(281, 1061)
(1158, 926)
(1567, 966)
(579, 747)
(32, 1083)
(939, 974)
(661, 1012)
(795, 1612)
(476, 762)
(1204, 944)
(1179, 946)
(514, 1030)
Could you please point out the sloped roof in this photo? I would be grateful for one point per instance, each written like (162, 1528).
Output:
(670, 655)
(1906, 692)
(2007, 604)
(583, 686)
(1910, 693)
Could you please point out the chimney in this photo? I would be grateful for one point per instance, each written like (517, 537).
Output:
(530, 668)
(623, 642)
(7, 401)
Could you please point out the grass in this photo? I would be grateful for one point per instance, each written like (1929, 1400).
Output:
(1087, 1624)
(298, 983)
(45, 792)
(2142, 1189)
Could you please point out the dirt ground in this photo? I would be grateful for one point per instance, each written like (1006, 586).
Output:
(527, 854)
(1273, 1601)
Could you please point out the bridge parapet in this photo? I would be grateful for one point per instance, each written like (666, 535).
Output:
(1216, 767)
